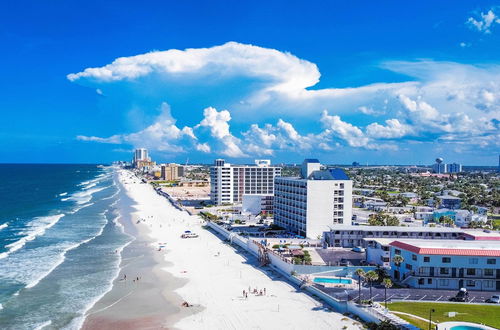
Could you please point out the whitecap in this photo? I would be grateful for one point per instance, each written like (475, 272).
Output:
(37, 227)
(43, 325)
(63, 194)
(4, 225)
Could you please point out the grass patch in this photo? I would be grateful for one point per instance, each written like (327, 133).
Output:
(416, 322)
(484, 314)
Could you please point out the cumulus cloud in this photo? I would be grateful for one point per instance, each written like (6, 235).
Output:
(484, 22)
(393, 129)
(161, 135)
(218, 123)
(440, 100)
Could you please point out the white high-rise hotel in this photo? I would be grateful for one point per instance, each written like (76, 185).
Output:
(314, 202)
(229, 182)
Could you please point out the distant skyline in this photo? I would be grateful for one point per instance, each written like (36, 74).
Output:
(377, 83)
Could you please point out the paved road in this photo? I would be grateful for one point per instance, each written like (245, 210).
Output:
(407, 294)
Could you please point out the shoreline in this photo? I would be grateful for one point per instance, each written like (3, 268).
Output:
(150, 302)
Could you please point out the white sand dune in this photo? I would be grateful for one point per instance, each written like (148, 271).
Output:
(217, 274)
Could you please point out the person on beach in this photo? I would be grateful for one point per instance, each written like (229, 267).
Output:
(264, 291)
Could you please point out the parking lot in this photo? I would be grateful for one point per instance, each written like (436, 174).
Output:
(406, 294)
(333, 257)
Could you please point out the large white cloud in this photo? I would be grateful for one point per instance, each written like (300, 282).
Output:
(441, 100)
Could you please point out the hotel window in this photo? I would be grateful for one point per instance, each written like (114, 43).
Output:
(488, 272)
(427, 259)
(471, 283)
(444, 282)
(409, 267)
(421, 281)
(471, 271)
(491, 261)
(444, 271)
(488, 284)
(413, 257)
(429, 281)
(397, 251)
(446, 260)
(473, 261)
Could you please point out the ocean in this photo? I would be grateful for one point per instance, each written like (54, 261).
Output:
(60, 242)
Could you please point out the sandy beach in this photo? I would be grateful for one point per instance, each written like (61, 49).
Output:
(205, 272)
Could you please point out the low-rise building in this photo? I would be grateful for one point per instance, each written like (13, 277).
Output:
(351, 236)
(449, 202)
(447, 264)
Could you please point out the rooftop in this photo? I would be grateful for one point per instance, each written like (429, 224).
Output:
(450, 247)
(482, 235)
(398, 229)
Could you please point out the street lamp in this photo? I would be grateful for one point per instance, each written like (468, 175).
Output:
(430, 318)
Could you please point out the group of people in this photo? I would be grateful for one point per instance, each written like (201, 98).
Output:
(255, 291)
(134, 280)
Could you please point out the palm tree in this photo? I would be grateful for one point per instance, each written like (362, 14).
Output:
(387, 284)
(398, 260)
(371, 276)
(361, 273)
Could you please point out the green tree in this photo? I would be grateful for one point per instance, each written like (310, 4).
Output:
(361, 274)
(387, 284)
(371, 276)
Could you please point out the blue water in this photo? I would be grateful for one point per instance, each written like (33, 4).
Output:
(464, 327)
(59, 238)
(332, 280)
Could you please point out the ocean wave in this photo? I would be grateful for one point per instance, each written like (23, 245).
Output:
(4, 225)
(37, 228)
(42, 325)
(62, 257)
(85, 196)
(63, 194)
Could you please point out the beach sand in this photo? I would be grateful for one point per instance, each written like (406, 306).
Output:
(205, 272)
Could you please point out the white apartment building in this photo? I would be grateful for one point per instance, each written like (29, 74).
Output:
(314, 202)
(229, 182)
(447, 264)
(141, 154)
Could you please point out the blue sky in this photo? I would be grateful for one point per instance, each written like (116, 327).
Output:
(377, 83)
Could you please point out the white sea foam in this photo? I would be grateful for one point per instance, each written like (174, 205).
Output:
(42, 325)
(63, 194)
(37, 227)
(4, 225)
(61, 258)
(85, 196)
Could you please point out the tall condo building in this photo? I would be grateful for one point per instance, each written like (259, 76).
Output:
(315, 202)
(229, 182)
(171, 172)
(454, 168)
(141, 154)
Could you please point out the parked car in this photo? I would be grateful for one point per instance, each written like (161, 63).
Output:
(358, 249)
(363, 263)
(189, 235)
(493, 300)
(343, 262)
(462, 296)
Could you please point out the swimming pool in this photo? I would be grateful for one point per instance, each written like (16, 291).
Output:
(465, 327)
(332, 280)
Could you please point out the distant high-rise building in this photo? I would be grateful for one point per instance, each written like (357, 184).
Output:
(314, 202)
(141, 154)
(170, 172)
(454, 168)
(439, 167)
(229, 182)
